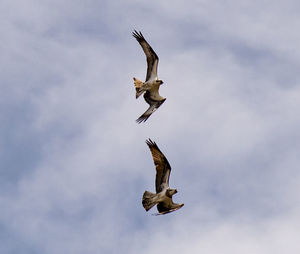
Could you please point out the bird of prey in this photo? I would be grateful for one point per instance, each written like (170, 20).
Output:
(163, 196)
(152, 83)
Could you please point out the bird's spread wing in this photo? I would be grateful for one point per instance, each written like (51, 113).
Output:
(153, 106)
(162, 165)
(152, 58)
(163, 208)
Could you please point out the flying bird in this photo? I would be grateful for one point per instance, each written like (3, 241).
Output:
(163, 196)
(152, 83)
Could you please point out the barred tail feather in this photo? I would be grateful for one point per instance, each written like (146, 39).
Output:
(138, 87)
(148, 200)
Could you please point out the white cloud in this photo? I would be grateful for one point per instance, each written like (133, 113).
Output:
(273, 236)
(78, 164)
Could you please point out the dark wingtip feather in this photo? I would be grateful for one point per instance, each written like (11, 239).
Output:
(138, 35)
(142, 118)
(150, 143)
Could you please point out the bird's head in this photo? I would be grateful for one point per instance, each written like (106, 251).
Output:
(171, 192)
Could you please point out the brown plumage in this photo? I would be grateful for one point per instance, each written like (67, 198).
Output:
(163, 196)
(151, 85)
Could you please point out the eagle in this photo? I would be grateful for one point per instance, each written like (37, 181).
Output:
(163, 196)
(152, 83)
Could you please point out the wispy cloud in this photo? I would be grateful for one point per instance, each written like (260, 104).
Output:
(74, 163)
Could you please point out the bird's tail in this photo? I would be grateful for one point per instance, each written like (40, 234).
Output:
(138, 87)
(148, 200)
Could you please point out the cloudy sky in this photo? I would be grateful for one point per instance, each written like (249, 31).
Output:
(74, 163)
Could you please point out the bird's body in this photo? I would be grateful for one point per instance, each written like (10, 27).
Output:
(151, 85)
(163, 196)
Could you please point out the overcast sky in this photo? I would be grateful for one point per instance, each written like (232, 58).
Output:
(74, 163)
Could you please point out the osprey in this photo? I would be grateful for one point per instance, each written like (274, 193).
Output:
(152, 83)
(163, 196)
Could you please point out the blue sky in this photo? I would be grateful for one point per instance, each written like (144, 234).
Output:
(74, 164)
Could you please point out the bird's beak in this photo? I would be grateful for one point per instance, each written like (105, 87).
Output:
(175, 190)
